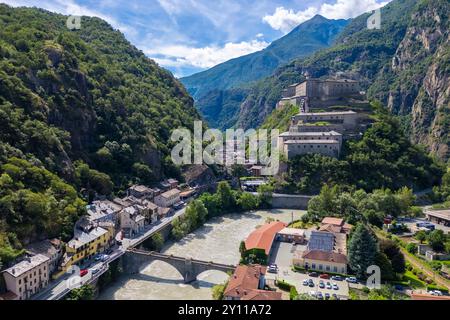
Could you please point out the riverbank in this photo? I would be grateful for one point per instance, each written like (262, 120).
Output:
(218, 240)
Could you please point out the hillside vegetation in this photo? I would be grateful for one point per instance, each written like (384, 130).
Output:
(80, 110)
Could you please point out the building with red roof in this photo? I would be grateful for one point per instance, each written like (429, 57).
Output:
(247, 283)
(263, 237)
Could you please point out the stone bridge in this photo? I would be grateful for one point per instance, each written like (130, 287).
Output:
(134, 259)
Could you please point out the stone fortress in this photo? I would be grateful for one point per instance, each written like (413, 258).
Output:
(315, 130)
(317, 93)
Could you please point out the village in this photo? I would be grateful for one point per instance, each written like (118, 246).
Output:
(107, 225)
(275, 258)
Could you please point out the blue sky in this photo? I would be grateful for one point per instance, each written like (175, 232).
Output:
(187, 36)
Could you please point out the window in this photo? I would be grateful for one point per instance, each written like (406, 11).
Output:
(320, 267)
(327, 268)
(335, 269)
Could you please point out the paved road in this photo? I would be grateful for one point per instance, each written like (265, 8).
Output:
(62, 286)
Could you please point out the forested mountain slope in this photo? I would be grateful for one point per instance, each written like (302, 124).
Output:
(79, 110)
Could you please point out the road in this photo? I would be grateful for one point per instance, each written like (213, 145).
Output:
(57, 289)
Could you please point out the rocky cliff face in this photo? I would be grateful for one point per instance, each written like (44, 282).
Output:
(420, 68)
(405, 65)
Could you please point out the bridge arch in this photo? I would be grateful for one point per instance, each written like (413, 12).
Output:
(155, 263)
(135, 260)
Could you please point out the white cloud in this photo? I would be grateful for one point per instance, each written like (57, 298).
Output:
(287, 19)
(207, 57)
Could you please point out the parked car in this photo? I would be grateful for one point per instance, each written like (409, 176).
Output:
(272, 269)
(311, 284)
(321, 285)
(313, 274)
(337, 278)
(327, 296)
(324, 276)
(98, 257)
(83, 272)
(95, 270)
(329, 287)
(436, 293)
(334, 295)
(351, 280)
(312, 293)
(305, 282)
(319, 295)
(104, 257)
(335, 286)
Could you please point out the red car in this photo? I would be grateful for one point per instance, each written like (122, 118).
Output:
(324, 276)
(83, 272)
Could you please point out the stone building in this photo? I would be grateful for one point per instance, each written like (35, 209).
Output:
(311, 91)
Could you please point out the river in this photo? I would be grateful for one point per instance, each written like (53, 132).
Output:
(218, 240)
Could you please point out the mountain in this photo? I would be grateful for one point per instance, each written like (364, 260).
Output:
(404, 65)
(206, 87)
(80, 110)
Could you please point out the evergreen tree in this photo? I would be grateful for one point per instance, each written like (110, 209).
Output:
(362, 250)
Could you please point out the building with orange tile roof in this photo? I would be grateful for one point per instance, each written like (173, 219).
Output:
(263, 237)
(247, 283)
(335, 225)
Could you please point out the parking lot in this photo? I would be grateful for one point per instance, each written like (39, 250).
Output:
(282, 254)
(411, 224)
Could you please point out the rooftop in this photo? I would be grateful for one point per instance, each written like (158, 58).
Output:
(244, 280)
(443, 214)
(141, 189)
(312, 141)
(292, 232)
(330, 113)
(81, 237)
(47, 248)
(170, 193)
(262, 238)
(307, 134)
(333, 221)
(261, 295)
(325, 256)
(320, 240)
(27, 265)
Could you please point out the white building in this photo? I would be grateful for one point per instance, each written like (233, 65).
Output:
(27, 277)
(293, 148)
(168, 198)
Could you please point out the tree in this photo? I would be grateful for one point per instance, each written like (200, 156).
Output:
(242, 249)
(394, 254)
(218, 291)
(238, 171)
(212, 203)
(157, 241)
(86, 292)
(436, 239)
(362, 250)
(381, 260)
(265, 194)
(411, 247)
(226, 196)
(421, 236)
(248, 201)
